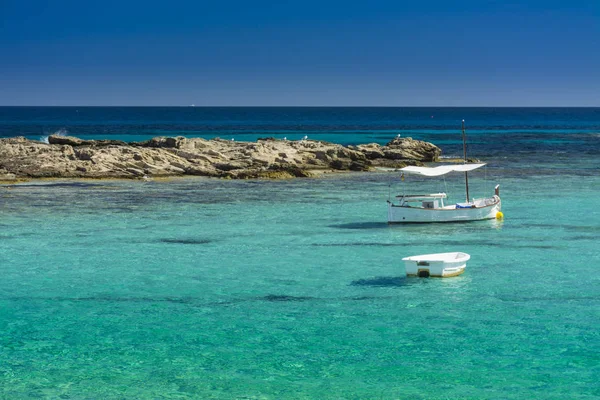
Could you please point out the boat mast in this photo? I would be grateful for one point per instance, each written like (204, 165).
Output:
(464, 138)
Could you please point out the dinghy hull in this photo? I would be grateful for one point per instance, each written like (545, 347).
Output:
(440, 265)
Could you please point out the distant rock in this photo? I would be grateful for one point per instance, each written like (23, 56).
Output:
(71, 157)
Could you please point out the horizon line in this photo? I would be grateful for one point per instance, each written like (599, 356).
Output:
(287, 106)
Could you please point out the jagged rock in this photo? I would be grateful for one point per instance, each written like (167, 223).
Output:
(409, 149)
(73, 141)
(70, 157)
(371, 150)
(67, 140)
(162, 142)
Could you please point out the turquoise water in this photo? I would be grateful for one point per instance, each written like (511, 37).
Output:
(199, 288)
(209, 289)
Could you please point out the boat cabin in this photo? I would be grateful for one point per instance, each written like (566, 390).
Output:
(435, 200)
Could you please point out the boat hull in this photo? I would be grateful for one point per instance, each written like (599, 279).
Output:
(442, 265)
(402, 214)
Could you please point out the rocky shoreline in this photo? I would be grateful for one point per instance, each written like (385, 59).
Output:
(268, 158)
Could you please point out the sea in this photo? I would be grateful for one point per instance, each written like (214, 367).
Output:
(201, 288)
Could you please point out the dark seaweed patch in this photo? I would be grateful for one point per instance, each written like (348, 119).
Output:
(186, 241)
(361, 225)
(538, 246)
(279, 297)
(583, 229)
(583, 237)
(361, 298)
(196, 302)
(385, 281)
(177, 300)
(358, 244)
(58, 184)
(21, 235)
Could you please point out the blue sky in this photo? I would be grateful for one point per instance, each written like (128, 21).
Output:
(346, 53)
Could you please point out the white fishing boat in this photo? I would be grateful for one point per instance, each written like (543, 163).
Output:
(441, 265)
(415, 208)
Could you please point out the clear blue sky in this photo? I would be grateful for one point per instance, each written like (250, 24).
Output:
(219, 52)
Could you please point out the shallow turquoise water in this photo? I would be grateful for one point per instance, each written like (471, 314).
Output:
(200, 288)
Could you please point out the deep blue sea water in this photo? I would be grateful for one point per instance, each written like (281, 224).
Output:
(204, 288)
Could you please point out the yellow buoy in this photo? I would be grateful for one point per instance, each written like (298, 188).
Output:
(499, 215)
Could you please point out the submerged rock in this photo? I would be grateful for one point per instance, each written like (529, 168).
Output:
(71, 157)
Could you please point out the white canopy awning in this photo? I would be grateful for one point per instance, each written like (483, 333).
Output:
(441, 170)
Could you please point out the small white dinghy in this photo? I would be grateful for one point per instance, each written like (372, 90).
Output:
(440, 265)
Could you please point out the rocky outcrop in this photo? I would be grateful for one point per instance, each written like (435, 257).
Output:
(69, 157)
(398, 151)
